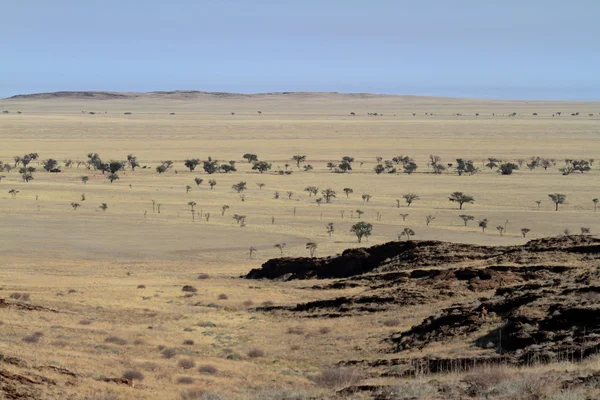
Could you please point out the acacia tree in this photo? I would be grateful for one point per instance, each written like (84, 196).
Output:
(212, 183)
(280, 246)
(507, 168)
(192, 163)
(198, 181)
(103, 206)
(557, 198)
(261, 166)
(595, 201)
(428, 219)
(461, 198)
(27, 173)
(409, 198)
(239, 187)
(210, 166)
(75, 205)
(359, 213)
(500, 229)
(84, 179)
(299, 159)
(362, 229)
(348, 191)
(51, 165)
(312, 248)
(311, 190)
(112, 177)
(525, 231)
(366, 197)
(406, 232)
(250, 157)
(223, 209)
(330, 228)
(133, 162)
(404, 217)
(328, 194)
(466, 218)
(260, 185)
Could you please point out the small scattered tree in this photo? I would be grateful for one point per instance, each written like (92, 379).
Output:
(585, 231)
(409, 198)
(404, 217)
(289, 194)
(13, 193)
(210, 166)
(133, 162)
(75, 205)
(51, 165)
(251, 251)
(362, 229)
(112, 177)
(330, 228)
(198, 181)
(410, 167)
(311, 190)
(250, 157)
(103, 206)
(280, 246)
(406, 232)
(239, 187)
(538, 202)
(223, 209)
(84, 179)
(525, 231)
(260, 185)
(348, 191)
(483, 224)
(595, 201)
(319, 200)
(557, 198)
(312, 248)
(428, 219)
(276, 195)
(507, 168)
(191, 163)
(328, 194)
(187, 188)
(466, 218)
(299, 159)
(261, 166)
(461, 198)
(212, 183)
(27, 173)
(366, 197)
(359, 213)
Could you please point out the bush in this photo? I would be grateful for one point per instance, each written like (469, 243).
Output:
(189, 288)
(337, 377)
(297, 330)
(248, 303)
(33, 338)
(133, 375)
(85, 322)
(141, 286)
(255, 353)
(193, 394)
(203, 276)
(169, 352)
(115, 340)
(267, 303)
(324, 330)
(390, 322)
(208, 369)
(139, 342)
(206, 324)
(186, 363)
(188, 342)
(185, 380)
(15, 296)
(223, 296)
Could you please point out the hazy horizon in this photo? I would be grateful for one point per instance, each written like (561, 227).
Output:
(534, 50)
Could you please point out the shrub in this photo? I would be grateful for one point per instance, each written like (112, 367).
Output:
(193, 394)
(189, 288)
(248, 303)
(208, 369)
(15, 296)
(324, 330)
(391, 322)
(482, 379)
(141, 287)
(186, 363)
(206, 324)
(295, 347)
(255, 353)
(188, 342)
(337, 377)
(33, 338)
(85, 322)
(297, 330)
(139, 342)
(223, 296)
(267, 303)
(169, 352)
(59, 343)
(185, 380)
(203, 276)
(115, 340)
(133, 375)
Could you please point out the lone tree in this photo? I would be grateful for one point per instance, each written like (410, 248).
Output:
(198, 181)
(466, 218)
(84, 179)
(483, 224)
(27, 173)
(557, 198)
(133, 162)
(239, 187)
(409, 198)
(51, 165)
(250, 157)
(210, 166)
(366, 197)
(112, 177)
(280, 246)
(13, 193)
(260, 185)
(299, 159)
(261, 166)
(500, 229)
(187, 188)
(75, 205)
(223, 209)
(507, 168)
(311, 190)
(461, 198)
(191, 163)
(428, 219)
(595, 201)
(212, 183)
(251, 251)
(312, 248)
(404, 217)
(406, 232)
(359, 213)
(330, 228)
(328, 194)
(362, 229)
(525, 231)
(103, 206)
(348, 191)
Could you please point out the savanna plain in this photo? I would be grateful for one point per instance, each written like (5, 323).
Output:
(136, 288)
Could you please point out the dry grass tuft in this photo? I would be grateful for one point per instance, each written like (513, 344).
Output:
(390, 322)
(193, 394)
(168, 352)
(255, 353)
(223, 296)
(324, 330)
(185, 380)
(33, 338)
(186, 363)
(15, 296)
(188, 342)
(208, 369)
(337, 377)
(141, 286)
(115, 340)
(133, 375)
(296, 330)
(248, 303)
(85, 322)
(203, 276)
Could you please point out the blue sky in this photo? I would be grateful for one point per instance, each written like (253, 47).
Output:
(527, 49)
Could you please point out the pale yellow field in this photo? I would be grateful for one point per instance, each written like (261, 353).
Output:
(47, 248)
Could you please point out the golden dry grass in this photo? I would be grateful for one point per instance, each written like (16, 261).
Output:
(48, 249)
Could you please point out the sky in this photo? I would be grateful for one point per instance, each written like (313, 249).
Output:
(505, 49)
